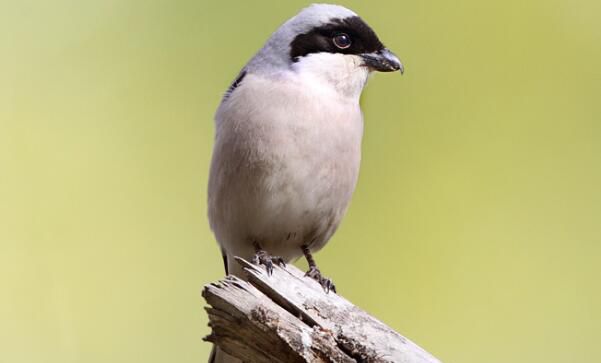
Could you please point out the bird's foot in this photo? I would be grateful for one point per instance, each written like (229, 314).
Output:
(325, 282)
(265, 259)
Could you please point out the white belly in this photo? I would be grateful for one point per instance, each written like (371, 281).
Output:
(283, 175)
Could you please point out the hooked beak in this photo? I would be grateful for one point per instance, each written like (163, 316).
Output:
(383, 61)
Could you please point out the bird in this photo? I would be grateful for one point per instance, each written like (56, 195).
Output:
(287, 146)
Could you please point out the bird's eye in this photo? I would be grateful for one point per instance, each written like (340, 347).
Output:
(342, 40)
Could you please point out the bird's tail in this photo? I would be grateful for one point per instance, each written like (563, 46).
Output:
(219, 356)
(212, 356)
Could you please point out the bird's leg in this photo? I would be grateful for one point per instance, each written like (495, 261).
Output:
(263, 258)
(314, 272)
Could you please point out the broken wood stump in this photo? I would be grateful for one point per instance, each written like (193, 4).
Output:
(287, 317)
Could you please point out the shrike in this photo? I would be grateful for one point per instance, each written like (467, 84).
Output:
(288, 139)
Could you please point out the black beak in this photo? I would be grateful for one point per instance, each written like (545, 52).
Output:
(383, 61)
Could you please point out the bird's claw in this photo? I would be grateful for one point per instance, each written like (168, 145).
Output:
(325, 282)
(263, 258)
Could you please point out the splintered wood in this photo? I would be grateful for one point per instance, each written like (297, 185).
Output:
(287, 317)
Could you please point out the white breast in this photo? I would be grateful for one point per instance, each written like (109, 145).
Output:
(285, 164)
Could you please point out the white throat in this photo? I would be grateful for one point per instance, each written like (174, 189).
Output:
(345, 74)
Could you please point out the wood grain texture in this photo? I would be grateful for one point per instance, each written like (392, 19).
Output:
(287, 317)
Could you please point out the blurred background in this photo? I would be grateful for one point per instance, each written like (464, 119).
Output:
(475, 229)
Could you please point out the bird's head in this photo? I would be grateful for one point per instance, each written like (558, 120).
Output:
(330, 43)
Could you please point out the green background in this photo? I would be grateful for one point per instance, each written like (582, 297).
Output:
(475, 229)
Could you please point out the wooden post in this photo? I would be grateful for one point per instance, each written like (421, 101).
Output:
(287, 317)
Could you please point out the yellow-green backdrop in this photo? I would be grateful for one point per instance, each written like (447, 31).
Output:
(475, 229)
